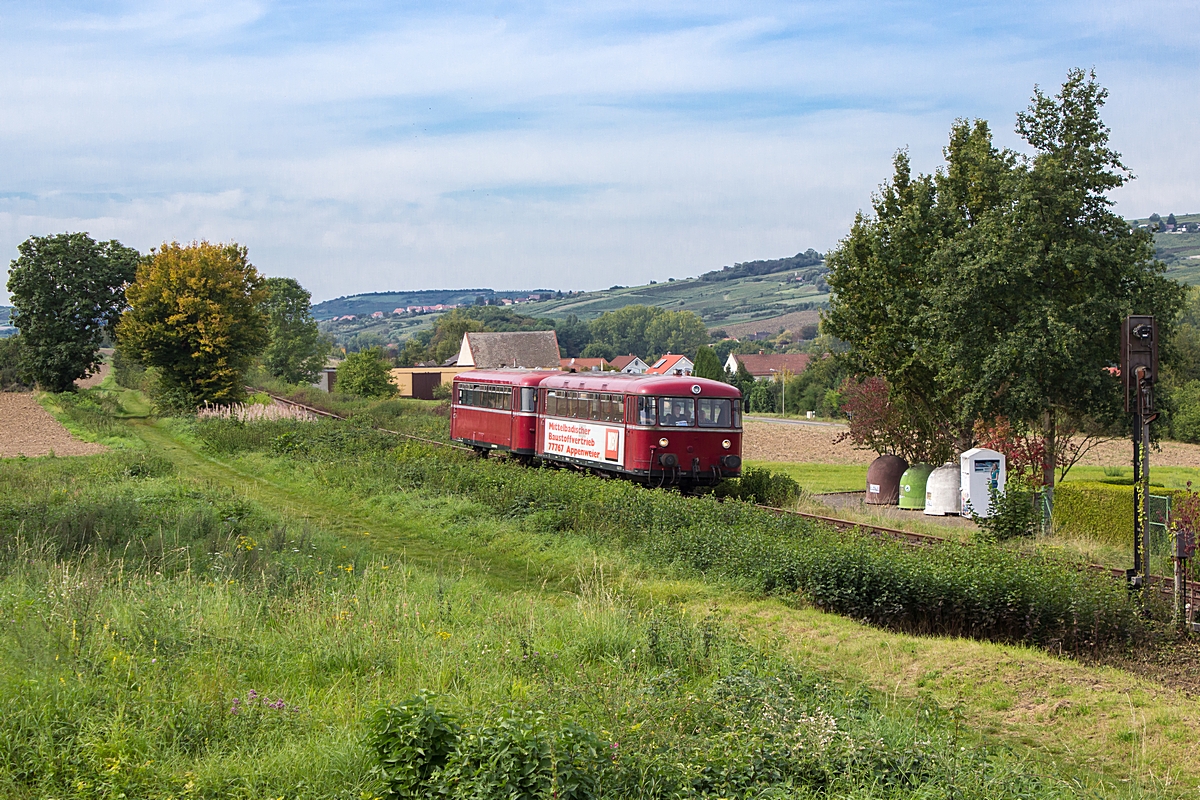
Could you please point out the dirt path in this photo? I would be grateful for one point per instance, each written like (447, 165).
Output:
(28, 429)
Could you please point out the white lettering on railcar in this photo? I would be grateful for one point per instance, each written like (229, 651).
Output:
(585, 440)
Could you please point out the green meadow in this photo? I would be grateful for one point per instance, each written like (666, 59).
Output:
(215, 609)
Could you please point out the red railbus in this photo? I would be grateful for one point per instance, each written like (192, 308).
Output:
(662, 430)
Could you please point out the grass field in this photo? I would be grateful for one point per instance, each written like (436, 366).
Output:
(214, 612)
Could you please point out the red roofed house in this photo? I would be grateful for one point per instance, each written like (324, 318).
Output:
(767, 365)
(583, 364)
(672, 365)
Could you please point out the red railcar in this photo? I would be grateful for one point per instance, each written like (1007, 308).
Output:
(657, 429)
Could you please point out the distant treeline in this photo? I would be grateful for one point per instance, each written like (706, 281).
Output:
(5, 314)
(809, 258)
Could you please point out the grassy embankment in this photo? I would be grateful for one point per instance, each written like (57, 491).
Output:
(144, 591)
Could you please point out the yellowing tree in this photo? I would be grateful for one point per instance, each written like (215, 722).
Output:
(195, 315)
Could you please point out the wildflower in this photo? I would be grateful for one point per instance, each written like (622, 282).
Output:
(250, 695)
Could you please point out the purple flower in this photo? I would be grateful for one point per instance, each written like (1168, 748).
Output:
(250, 695)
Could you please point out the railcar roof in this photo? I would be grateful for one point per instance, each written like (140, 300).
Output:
(507, 377)
(667, 385)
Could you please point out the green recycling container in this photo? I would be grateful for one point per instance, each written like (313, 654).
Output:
(912, 486)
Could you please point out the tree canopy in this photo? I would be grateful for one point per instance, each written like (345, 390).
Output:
(996, 287)
(296, 352)
(67, 291)
(196, 315)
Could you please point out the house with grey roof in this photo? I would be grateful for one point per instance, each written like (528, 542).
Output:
(528, 349)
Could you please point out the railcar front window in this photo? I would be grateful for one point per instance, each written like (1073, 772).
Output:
(676, 411)
(528, 398)
(646, 411)
(714, 412)
(737, 413)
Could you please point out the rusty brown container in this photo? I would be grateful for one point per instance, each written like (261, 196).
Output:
(883, 480)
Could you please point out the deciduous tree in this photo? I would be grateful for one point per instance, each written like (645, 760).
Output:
(67, 290)
(196, 314)
(296, 352)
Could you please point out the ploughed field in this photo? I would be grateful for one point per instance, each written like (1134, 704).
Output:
(286, 608)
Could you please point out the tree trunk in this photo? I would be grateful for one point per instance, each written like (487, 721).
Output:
(1049, 458)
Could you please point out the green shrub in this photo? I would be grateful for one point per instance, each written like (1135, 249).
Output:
(1100, 512)
(413, 741)
(365, 374)
(760, 485)
(1015, 513)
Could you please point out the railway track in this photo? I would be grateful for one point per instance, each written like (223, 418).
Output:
(1159, 583)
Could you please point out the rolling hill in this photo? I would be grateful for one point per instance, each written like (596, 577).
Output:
(752, 296)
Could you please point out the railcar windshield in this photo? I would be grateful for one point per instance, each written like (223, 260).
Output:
(676, 411)
(715, 412)
(528, 398)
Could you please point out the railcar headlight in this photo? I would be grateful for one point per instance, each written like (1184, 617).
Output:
(663, 442)
(726, 444)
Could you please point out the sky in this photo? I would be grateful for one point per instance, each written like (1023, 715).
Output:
(363, 146)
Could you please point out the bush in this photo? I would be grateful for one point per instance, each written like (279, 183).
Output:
(759, 485)
(1015, 513)
(365, 374)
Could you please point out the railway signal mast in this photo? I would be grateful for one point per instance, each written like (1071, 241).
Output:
(1139, 370)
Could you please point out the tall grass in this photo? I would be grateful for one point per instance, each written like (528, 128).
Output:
(166, 640)
(980, 590)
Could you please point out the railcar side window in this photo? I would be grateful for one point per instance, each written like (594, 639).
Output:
(676, 411)
(714, 412)
(528, 398)
(646, 411)
(484, 396)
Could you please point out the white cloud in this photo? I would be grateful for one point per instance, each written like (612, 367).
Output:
(579, 148)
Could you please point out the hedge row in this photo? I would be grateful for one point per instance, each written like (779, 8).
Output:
(1101, 512)
(980, 590)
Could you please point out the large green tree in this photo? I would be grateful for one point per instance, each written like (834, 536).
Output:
(1031, 299)
(296, 352)
(196, 314)
(67, 290)
(996, 287)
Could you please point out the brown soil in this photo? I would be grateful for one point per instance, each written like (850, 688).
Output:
(27, 429)
(782, 441)
(92, 381)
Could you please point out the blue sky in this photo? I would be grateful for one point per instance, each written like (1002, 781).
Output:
(364, 146)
